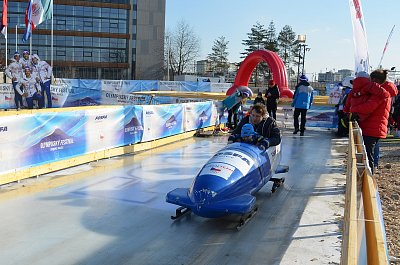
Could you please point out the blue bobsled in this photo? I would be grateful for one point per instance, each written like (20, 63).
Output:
(227, 182)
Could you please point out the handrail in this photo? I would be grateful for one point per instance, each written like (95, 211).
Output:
(364, 239)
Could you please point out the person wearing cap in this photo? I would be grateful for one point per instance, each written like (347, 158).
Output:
(43, 72)
(272, 94)
(302, 101)
(259, 99)
(26, 59)
(14, 72)
(31, 88)
(268, 133)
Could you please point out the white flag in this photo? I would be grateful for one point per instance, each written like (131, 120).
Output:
(360, 37)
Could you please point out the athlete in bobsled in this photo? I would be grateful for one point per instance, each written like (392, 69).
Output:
(227, 183)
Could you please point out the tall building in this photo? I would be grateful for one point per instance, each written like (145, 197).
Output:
(104, 39)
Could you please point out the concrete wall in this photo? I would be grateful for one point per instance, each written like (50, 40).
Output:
(150, 39)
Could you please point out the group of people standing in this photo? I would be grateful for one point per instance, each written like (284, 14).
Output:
(31, 80)
(370, 102)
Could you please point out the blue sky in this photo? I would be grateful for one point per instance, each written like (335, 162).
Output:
(326, 23)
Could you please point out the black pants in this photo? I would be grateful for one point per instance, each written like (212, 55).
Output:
(369, 143)
(297, 113)
(233, 112)
(272, 113)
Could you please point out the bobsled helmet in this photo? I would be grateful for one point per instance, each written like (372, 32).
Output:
(247, 130)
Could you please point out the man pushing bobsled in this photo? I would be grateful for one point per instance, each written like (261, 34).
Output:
(257, 128)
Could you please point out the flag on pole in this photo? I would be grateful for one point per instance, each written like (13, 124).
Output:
(3, 25)
(37, 12)
(360, 37)
(386, 45)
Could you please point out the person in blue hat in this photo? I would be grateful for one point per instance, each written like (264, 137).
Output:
(302, 101)
(14, 72)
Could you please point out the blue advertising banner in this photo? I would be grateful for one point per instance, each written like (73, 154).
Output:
(162, 121)
(54, 136)
(197, 115)
(104, 128)
(322, 116)
(133, 124)
(14, 131)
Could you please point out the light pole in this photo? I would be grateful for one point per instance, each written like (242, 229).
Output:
(301, 39)
(168, 53)
(304, 57)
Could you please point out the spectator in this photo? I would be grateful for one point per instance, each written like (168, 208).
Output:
(234, 110)
(380, 76)
(259, 99)
(14, 72)
(343, 123)
(302, 101)
(43, 72)
(26, 59)
(371, 103)
(272, 94)
(263, 125)
(31, 89)
(396, 114)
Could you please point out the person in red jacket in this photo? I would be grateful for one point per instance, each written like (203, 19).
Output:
(373, 111)
(379, 76)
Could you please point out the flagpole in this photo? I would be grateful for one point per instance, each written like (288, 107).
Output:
(6, 47)
(16, 37)
(52, 35)
(386, 45)
(30, 43)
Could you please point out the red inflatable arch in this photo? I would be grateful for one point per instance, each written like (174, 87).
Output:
(274, 63)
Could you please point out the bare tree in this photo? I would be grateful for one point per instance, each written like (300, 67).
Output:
(184, 48)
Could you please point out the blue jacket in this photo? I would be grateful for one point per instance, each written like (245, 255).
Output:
(303, 96)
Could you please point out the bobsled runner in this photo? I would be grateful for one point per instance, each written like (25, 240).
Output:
(227, 183)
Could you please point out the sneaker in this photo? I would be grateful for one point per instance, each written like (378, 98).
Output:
(301, 133)
(296, 131)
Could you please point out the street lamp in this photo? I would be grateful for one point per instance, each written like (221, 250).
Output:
(168, 54)
(301, 39)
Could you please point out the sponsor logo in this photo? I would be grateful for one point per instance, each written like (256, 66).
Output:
(134, 129)
(215, 169)
(233, 154)
(3, 129)
(102, 117)
(149, 112)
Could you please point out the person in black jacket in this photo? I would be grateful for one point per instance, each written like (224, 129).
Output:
(259, 99)
(272, 94)
(264, 125)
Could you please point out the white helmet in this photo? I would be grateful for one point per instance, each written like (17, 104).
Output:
(348, 81)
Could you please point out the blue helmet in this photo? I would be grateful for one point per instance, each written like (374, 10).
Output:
(247, 130)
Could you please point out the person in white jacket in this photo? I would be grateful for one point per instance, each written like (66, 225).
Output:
(14, 72)
(43, 72)
(31, 88)
(26, 59)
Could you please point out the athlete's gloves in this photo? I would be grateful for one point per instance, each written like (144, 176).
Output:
(233, 138)
(263, 143)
